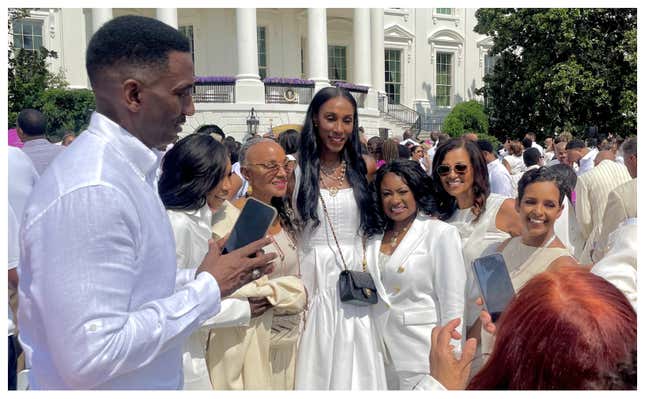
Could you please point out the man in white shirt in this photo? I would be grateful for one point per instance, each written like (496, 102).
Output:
(22, 177)
(500, 179)
(109, 310)
(534, 143)
(578, 152)
(532, 159)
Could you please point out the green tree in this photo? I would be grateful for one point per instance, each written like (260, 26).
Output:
(468, 116)
(560, 69)
(66, 110)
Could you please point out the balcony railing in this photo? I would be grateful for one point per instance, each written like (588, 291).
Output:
(402, 114)
(286, 94)
(214, 92)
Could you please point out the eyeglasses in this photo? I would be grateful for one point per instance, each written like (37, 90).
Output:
(275, 166)
(444, 170)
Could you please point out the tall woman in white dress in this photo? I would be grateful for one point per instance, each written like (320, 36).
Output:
(194, 182)
(464, 200)
(421, 268)
(339, 345)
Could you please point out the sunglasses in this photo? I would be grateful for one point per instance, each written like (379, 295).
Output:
(444, 170)
(273, 167)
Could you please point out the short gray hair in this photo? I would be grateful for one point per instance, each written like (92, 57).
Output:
(250, 143)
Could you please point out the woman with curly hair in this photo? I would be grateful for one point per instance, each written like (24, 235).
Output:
(339, 346)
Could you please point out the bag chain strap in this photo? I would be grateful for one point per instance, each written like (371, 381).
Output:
(336, 240)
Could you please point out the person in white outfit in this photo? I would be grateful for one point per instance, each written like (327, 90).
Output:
(420, 267)
(339, 348)
(194, 182)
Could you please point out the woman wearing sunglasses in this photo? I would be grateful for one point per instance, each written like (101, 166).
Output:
(460, 177)
(262, 354)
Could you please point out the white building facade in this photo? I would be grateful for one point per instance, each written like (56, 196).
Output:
(405, 66)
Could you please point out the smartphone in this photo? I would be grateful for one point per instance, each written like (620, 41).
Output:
(252, 224)
(494, 283)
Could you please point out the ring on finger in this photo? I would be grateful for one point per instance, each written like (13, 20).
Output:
(255, 274)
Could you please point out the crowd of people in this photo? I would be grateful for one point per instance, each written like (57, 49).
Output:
(119, 280)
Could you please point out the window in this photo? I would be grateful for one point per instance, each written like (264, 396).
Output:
(262, 51)
(444, 79)
(489, 64)
(443, 11)
(393, 76)
(188, 32)
(28, 34)
(337, 63)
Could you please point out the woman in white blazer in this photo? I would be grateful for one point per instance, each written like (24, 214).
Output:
(194, 182)
(419, 269)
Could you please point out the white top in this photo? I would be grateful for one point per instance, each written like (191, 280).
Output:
(516, 163)
(42, 153)
(619, 265)
(475, 238)
(425, 284)
(192, 230)
(236, 168)
(500, 180)
(586, 163)
(22, 178)
(98, 305)
(539, 147)
(339, 346)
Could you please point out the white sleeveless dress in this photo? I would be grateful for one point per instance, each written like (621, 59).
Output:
(339, 347)
(476, 237)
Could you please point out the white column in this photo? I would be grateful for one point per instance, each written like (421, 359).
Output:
(378, 50)
(317, 47)
(363, 55)
(378, 54)
(249, 89)
(168, 16)
(100, 16)
(362, 48)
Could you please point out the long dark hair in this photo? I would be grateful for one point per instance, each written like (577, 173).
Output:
(193, 167)
(415, 178)
(446, 203)
(309, 162)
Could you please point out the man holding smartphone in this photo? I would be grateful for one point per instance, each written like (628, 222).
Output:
(108, 309)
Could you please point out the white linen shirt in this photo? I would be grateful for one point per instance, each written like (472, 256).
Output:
(586, 163)
(500, 180)
(98, 306)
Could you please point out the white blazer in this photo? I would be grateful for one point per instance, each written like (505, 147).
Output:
(422, 285)
(192, 230)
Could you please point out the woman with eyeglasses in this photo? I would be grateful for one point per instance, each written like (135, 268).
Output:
(194, 183)
(420, 266)
(262, 355)
(339, 348)
(460, 177)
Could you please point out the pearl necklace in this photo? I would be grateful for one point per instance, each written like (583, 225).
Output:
(341, 179)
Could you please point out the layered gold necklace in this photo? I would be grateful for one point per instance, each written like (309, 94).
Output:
(397, 236)
(333, 175)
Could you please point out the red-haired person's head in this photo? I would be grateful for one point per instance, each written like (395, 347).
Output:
(565, 329)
